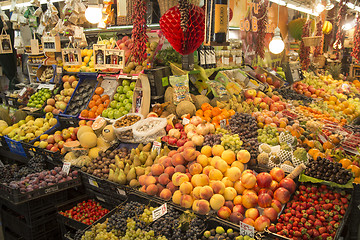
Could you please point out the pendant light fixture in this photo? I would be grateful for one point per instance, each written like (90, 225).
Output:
(277, 45)
(93, 13)
(319, 7)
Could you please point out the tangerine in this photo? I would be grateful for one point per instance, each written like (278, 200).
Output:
(99, 90)
(96, 97)
(104, 97)
(106, 103)
(92, 104)
(91, 114)
(98, 102)
(84, 113)
(345, 162)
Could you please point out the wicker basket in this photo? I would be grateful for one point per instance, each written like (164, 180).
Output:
(126, 20)
(320, 61)
(311, 41)
(165, 5)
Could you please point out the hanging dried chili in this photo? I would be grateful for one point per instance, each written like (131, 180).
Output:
(356, 49)
(340, 35)
(139, 35)
(304, 50)
(319, 49)
(261, 28)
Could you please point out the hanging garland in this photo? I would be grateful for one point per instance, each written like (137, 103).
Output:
(262, 19)
(305, 51)
(319, 49)
(356, 49)
(340, 35)
(139, 35)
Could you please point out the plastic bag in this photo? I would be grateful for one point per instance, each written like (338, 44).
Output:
(181, 88)
(217, 89)
(125, 132)
(149, 129)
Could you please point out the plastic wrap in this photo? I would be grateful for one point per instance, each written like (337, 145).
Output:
(149, 129)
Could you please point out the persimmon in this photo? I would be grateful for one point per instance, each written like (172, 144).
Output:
(216, 111)
(91, 114)
(199, 113)
(84, 113)
(92, 104)
(104, 97)
(96, 97)
(207, 113)
(98, 102)
(99, 90)
(206, 106)
(94, 109)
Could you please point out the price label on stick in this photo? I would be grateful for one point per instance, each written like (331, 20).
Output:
(159, 212)
(185, 121)
(246, 229)
(223, 123)
(66, 167)
(156, 146)
(22, 92)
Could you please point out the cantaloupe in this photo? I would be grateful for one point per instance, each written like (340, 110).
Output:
(88, 139)
(69, 146)
(98, 125)
(102, 144)
(82, 130)
(108, 133)
(94, 152)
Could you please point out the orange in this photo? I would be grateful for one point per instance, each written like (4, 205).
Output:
(216, 111)
(206, 106)
(84, 113)
(312, 151)
(82, 122)
(98, 102)
(332, 98)
(101, 106)
(199, 113)
(355, 169)
(96, 97)
(104, 97)
(91, 114)
(99, 90)
(106, 103)
(99, 111)
(328, 145)
(345, 162)
(207, 113)
(94, 109)
(92, 104)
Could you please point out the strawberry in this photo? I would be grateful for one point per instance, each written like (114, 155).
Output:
(316, 233)
(322, 230)
(344, 200)
(272, 228)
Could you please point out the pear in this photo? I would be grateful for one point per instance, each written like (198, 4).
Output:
(166, 151)
(137, 151)
(134, 183)
(131, 175)
(111, 175)
(143, 157)
(119, 163)
(116, 175)
(149, 162)
(137, 162)
(132, 154)
(147, 148)
(140, 147)
(112, 167)
(127, 169)
(153, 154)
(147, 170)
(139, 171)
(121, 178)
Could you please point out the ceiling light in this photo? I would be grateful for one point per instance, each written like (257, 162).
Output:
(276, 45)
(329, 5)
(319, 8)
(94, 12)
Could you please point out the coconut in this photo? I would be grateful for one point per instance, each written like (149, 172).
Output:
(185, 107)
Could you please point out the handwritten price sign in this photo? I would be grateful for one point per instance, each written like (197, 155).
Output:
(159, 212)
(246, 229)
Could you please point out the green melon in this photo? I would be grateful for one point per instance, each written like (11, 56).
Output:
(4, 115)
(19, 115)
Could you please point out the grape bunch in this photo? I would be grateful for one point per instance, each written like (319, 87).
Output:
(37, 163)
(231, 142)
(268, 135)
(7, 173)
(244, 125)
(132, 232)
(98, 232)
(212, 139)
(222, 130)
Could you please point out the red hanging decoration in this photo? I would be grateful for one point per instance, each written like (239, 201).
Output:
(139, 36)
(261, 25)
(340, 35)
(304, 50)
(356, 49)
(319, 49)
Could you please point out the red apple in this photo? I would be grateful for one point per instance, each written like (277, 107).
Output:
(179, 126)
(251, 93)
(224, 212)
(264, 200)
(274, 185)
(266, 190)
(236, 217)
(168, 127)
(282, 195)
(239, 208)
(264, 180)
(277, 174)
(271, 214)
(289, 184)
(276, 205)
(172, 141)
(261, 223)
(261, 77)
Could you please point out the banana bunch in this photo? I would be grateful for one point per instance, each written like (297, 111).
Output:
(327, 27)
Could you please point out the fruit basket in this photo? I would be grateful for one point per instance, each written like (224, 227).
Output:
(82, 95)
(46, 74)
(16, 196)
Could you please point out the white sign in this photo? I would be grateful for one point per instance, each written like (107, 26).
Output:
(121, 192)
(185, 121)
(156, 146)
(159, 212)
(246, 229)
(66, 167)
(223, 123)
(93, 183)
(22, 92)
(49, 86)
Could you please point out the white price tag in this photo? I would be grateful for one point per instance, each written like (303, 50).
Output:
(11, 102)
(59, 70)
(93, 183)
(159, 212)
(246, 229)
(1, 164)
(66, 167)
(156, 146)
(100, 199)
(185, 121)
(223, 123)
(121, 192)
(22, 92)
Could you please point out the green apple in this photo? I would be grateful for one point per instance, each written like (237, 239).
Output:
(132, 85)
(111, 114)
(128, 106)
(126, 82)
(125, 112)
(121, 97)
(121, 109)
(129, 94)
(120, 89)
(130, 100)
(116, 96)
(105, 113)
(113, 104)
(117, 114)
(126, 89)
(119, 105)
(126, 101)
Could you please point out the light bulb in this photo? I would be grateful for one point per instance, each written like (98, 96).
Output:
(93, 14)
(276, 45)
(319, 8)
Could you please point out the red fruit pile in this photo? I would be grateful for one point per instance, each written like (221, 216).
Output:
(176, 136)
(315, 212)
(86, 212)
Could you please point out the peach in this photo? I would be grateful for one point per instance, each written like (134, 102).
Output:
(233, 174)
(200, 180)
(249, 200)
(180, 168)
(264, 200)
(172, 153)
(237, 200)
(264, 180)
(177, 159)
(217, 150)
(195, 206)
(157, 169)
(206, 192)
(249, 221)
(229, 204)
(239, 165)
(249, 191)
(165, 161)
(215, 174)
(228, 156)
(152, 190)
(196, 192)
(274, 185)
(271, 214)
(217, 201)
(171, 187)
(164, 179)
(170, 171)
(289, 184)
(266, 190)
(221, 165)
(195, 168)
(239, 187)
(236, 217)
(224, 212)
(207, 169)
(247, 171)
(150, 180)
(202, 207)
(227, 182)
(142, 179)
(276, 205)
(252, 213)
(277, 174)
(218, 187)
(186, 201)
(186, 188)
(206, 150)
(248, 180)
(190, 144)
(230, 193)
(239, 208)
(203, 160)
(243, 156)
(179, 178)
(143, 189)
(166, 194)
(160, 188)
(189, 154)
(261, 223)
(282, 195)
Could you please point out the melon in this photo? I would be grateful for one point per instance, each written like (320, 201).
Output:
(108, 133)
(80, 151)
(19, 115)
(83, 129)
(88, 139)
(3, 123)
(69, 146)
(4, 115)
(102, 144)
(69, 157)
(94, 152)
(98, 125)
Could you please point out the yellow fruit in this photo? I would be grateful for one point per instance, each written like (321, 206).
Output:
(86, 59)
(90, 52)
